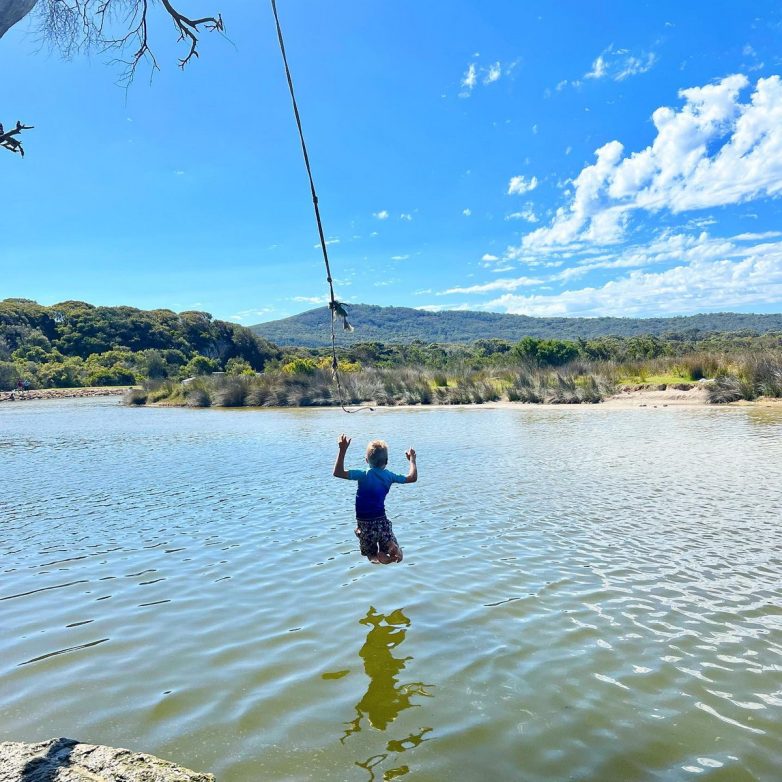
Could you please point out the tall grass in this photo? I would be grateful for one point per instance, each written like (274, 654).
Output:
(579, 382)
(758, 374)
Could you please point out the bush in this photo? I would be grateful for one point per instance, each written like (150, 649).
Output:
(231, 392)
(724, 390)
(112, 376)
(135, 396)
(238, 366)
(300, 366)
(200, 365)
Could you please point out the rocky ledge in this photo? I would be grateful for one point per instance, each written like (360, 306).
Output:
(67, 760)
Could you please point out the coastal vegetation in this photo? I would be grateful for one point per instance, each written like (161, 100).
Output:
(554, 374)
(77, 344)
(192, 359)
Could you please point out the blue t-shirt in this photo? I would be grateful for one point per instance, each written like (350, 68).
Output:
(373, 485)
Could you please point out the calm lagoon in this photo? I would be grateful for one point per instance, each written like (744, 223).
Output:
(587, 593)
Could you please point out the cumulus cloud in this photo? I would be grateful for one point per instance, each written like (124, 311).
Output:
(702, 285)
(713, 151)
(619, 64)
(406, 216)
(381, 215)
(519, 185)
(488, 257)
(466, 212)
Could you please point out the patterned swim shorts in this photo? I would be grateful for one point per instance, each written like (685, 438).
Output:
(375, 534)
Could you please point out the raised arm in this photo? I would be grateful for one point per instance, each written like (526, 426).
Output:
(412, 475)
(339, 465)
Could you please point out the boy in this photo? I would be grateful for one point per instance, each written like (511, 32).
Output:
(373, 529)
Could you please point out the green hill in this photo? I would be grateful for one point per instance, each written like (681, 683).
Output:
(404, 325)
(74, 343)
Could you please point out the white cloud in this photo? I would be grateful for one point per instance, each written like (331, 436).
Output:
(468, 82)
(466, 212)
(703, 285)
(619, 64)
(598, 69)
(496, 285)
(488, 257)
(519, 185)
(492, 73)
(311, 299)
(381, 215)
(252, 314)
(406, 216)
(328, 242)
(488, 74)
(528, 214)
(399, 257)
(713, 151)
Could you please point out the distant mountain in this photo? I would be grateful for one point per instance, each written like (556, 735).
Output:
(403, 325)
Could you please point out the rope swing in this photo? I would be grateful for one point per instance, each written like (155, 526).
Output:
(337, 308)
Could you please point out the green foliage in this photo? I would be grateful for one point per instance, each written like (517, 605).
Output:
(300, 366)
(127, 343)
(546, 352)
(200, 365)
(110, 376)
(238, 366)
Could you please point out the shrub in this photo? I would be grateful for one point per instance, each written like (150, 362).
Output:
(135, 396)
(300, 366)
(725, 389)
(200, 365)
(238, 366)
(111, 376)
(231, 392)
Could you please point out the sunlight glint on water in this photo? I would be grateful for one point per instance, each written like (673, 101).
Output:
(586, 594)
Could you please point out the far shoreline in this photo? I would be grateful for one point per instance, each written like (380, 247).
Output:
(63, 393)
(629, 397)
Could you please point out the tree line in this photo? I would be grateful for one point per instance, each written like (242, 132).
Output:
(78, 344)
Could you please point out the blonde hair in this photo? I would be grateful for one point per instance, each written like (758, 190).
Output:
(377, 453)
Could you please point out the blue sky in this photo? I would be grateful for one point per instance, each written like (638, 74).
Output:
(602, 158)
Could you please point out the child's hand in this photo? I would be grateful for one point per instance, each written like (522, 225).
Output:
(344, 442)
(410, 455)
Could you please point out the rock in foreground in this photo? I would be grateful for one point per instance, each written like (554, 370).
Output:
(66, 760)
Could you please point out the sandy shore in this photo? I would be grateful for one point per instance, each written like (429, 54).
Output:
(60, 393)
(631, 396)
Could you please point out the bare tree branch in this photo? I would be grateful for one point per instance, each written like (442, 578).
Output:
(7, 140)
(117, 25)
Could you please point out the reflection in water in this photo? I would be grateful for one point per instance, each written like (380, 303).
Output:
(385, 697)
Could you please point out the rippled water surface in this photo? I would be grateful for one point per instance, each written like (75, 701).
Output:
(587, 594)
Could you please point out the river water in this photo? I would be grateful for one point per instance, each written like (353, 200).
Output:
(586, 594)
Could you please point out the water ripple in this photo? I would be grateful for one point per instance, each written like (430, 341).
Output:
(586, 594)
